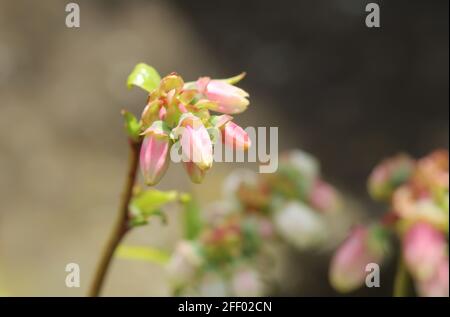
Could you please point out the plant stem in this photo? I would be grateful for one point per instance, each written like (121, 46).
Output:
(121, 226)
(401, 282)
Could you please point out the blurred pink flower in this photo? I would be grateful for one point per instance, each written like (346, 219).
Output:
(347, 271)
(388, 175)
(408, 206)
(437, 285)
(228, 98)
(423, 250)
(323, 197)
(184, 263)
(300, 225)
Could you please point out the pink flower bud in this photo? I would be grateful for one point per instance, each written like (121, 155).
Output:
(234, 136)
(389, 175)
(195, 173)
(195, 141)
(154, 156)
(347, 271)
(437, 285)
(228, 98)
(423, 250)
(323, 197)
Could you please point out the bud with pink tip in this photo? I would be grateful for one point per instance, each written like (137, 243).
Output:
(195, 141)
(226, 97)
(437, 285)
(423, 250)
(348, 266)
(323, 197)
(389, 175)
(232, 134)
(154, 156)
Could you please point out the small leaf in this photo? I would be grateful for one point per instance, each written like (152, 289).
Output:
(235, 79)
(172, 81)
(144, 76)
(149, 203)
(132, 125)
(146, 254)
(185, 198)
(192, 219)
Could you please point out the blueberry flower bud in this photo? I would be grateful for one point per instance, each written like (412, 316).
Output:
(347, 271)
(195, 141)
(228, 99)
(154, 156)
(423, 250)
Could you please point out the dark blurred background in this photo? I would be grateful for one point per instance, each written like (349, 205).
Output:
(351, 94)
(346, 93)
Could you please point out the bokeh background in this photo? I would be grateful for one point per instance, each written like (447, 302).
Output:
(346, 93)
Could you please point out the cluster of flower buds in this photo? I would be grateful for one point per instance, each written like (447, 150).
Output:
(178, 114)
(218, 260)
(418, 195)
(288, 206)
(295, 199)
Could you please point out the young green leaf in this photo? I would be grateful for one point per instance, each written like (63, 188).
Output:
(235, 79)
(146, 254)
(132, 125)
(148, 203)
(144, 76)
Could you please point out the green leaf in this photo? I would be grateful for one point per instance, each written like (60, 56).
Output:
(148, 203)
(235, 79)
(132, 125)
(144, 76)
(139, 253)
(192, 219)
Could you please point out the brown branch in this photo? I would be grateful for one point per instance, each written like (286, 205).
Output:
(121, 227)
